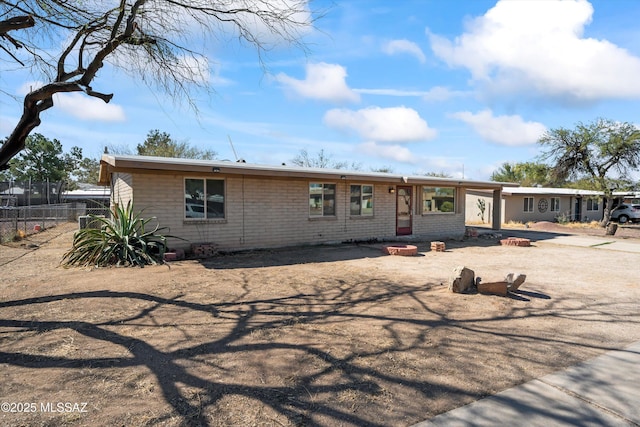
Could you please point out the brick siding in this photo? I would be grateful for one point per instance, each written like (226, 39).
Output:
(263, 213)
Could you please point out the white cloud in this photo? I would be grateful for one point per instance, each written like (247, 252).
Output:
(436, 93)
(194, 68)
(215, 77)
(323, 81)
(503, 130)
(395, 124)
(88, 108)
(439, 93)
(79, 105)
(538, 48)
(404, 46)
(27, 87)
(297, 20)
(394, 152)
(392, 92)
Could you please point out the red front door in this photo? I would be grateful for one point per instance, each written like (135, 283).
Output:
(403, 210)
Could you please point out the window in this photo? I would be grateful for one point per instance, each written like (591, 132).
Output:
(528, 204)
(438, 199)
(322, 199)
(361, 200)
(203, 198)
(593, 204)
(555, 204)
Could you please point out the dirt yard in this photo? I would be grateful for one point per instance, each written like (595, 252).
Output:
(328, 336)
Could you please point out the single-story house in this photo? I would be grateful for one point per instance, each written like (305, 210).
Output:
(92, 199)
(239, 206)
(631, 197)
(524, 204)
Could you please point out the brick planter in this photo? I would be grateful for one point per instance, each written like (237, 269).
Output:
(438, 246)
(204, 250)
(515, 241)
(402, 250)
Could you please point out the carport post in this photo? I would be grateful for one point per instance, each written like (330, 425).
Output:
(497, 209)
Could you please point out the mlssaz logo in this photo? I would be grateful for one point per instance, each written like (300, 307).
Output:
(63, 407)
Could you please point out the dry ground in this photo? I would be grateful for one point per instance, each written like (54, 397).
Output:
(308, 336)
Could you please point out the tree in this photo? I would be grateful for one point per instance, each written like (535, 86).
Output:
(527, 174)
(88, 171)
(482, 207)
(440, 174)
(162, 145)
(157, 42)
(506, 173)
(321, 160)
(383, 169)
(601, 151)
(42, 160)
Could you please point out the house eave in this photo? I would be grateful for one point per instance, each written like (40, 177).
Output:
(144, 164)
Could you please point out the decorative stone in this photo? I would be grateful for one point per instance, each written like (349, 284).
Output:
(472, 232)
(515, 241)
(204, 250)
(174, 255)
(462, 280)
(438, 246)
(402, 250)
(170, 256)
(493, 288)
(514, 280)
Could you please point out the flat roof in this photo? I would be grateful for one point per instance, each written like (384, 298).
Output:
(627, 193)
(147, 164)
(551, 191)
(102, 192)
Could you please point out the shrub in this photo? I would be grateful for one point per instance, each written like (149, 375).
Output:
(446, 207)
(121, 241)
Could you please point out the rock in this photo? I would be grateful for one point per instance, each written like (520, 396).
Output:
(462, 280)
(493, 288)
(515, 280)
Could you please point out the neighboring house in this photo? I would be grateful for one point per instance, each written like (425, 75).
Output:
(30, 193)
(631, 197)
(242, 206)
(92, 199)
(524, 204)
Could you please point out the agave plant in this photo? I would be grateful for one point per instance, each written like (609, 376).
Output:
(121, 241)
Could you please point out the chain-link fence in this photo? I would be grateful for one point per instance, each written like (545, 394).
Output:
(20, 221)
(30, 193)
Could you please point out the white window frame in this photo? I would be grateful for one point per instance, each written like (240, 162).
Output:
(554, 204)
(528, 207)
(363, 199)
(205, 213)
(322, 214)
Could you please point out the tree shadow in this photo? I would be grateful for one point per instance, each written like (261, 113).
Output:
(292, 256)
(300, 326)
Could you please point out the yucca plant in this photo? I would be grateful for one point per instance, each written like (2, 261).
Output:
(121, 241)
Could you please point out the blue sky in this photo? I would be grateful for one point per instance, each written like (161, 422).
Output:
(415, 85)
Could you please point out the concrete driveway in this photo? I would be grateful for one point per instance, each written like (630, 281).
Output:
(596, 242)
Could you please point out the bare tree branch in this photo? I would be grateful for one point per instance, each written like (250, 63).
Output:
(147, 39)
(16, 23)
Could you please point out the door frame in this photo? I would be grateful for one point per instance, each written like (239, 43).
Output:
(578, 209)
(404, 231)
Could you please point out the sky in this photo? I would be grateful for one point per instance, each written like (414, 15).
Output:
(414, 86)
